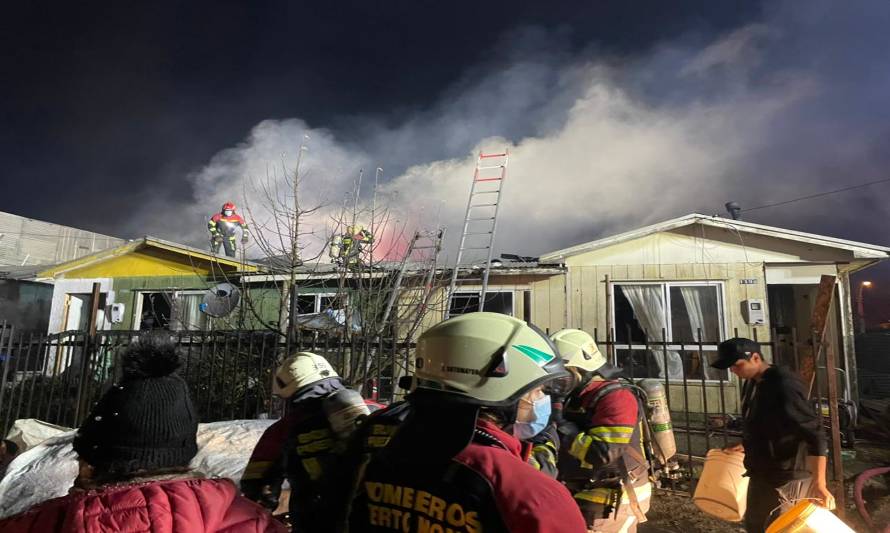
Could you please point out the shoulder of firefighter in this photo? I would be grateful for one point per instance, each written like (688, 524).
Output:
(544, 451)
(607, 455)
(303, 446)
(470, 493)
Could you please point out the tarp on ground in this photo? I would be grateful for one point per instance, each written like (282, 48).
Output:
(29, 432)
(48, 470)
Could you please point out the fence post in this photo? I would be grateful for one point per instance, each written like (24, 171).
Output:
(838, 464)
(88, 345)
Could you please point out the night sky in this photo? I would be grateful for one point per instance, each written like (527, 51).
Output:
(111, 109)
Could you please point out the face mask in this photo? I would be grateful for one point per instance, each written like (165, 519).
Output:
(541, 414)
(227, 212)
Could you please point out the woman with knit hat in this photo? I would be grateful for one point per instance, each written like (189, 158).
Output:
(134, 451)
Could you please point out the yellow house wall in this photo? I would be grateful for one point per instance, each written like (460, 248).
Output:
(142, 263)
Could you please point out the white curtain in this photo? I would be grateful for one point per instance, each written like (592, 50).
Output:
(692, 297)
(648, 305)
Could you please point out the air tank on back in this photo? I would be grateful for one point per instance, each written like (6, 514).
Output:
(660, 422)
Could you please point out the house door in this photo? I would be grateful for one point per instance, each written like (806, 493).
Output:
(77, 312)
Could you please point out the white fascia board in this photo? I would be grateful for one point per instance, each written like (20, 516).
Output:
(860, 250)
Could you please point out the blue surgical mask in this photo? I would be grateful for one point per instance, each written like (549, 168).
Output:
(541, 413)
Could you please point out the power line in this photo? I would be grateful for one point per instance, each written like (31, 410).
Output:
(818, 195)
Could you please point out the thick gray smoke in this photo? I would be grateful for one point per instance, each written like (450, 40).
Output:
(794, 104)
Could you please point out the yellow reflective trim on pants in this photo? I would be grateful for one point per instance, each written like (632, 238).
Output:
(600, 496)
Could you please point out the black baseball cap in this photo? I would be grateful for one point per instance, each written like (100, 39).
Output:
(730, 351)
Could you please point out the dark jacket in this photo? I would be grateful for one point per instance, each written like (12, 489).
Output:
(780, 427)
(486, 487)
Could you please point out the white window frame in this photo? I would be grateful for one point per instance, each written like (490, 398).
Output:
(666, 299)
(176, 293)
(317, 296)
(476, 293)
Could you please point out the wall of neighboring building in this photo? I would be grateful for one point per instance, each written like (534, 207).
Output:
(25, 241)
(25, 305)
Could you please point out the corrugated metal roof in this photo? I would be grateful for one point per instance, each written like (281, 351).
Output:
(25, 241)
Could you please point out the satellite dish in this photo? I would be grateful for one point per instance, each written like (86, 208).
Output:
(221, 300)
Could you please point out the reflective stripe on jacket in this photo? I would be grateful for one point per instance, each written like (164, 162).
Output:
(609, 441)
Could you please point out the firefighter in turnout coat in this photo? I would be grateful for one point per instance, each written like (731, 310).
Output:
(222, 229)
(306, 445)
(455, 464)
(602, 460)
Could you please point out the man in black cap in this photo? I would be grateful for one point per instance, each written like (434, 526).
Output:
(785, 451)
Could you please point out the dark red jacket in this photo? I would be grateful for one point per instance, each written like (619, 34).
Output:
(486, 487)
(184, 505)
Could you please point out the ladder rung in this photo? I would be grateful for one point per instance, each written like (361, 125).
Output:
(483, 205)
(477, 233)
(485, 156)
(475, 248)
(479, 219)
(488, 179)
(485, 192)
(492, 167)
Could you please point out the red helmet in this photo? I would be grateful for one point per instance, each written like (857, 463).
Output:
(228, 205)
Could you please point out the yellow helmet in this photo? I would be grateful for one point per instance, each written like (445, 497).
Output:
(578, 350)
(299, 370)
(485, 359)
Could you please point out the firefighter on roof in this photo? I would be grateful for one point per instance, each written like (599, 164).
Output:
(222, 229)
(347, 249)
(603, 459)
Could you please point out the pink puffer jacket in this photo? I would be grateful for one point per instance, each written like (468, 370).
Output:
(182, 505)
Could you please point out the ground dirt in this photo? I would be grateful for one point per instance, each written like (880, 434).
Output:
(674, 512)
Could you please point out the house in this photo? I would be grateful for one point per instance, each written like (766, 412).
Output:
(701, 279)
(145, 284)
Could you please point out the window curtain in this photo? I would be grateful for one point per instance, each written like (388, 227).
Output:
(692, 297)
(648, 307)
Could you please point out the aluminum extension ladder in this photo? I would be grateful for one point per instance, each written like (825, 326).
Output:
(408, 314)
(480, 227)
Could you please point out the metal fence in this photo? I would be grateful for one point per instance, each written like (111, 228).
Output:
(57, 378)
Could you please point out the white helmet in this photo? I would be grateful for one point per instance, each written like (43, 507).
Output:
(485, 359)
(299, 370)
(578, 349)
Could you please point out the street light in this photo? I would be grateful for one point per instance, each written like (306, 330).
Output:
(860, 307)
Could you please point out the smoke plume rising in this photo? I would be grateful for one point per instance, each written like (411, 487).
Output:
(792, 105)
